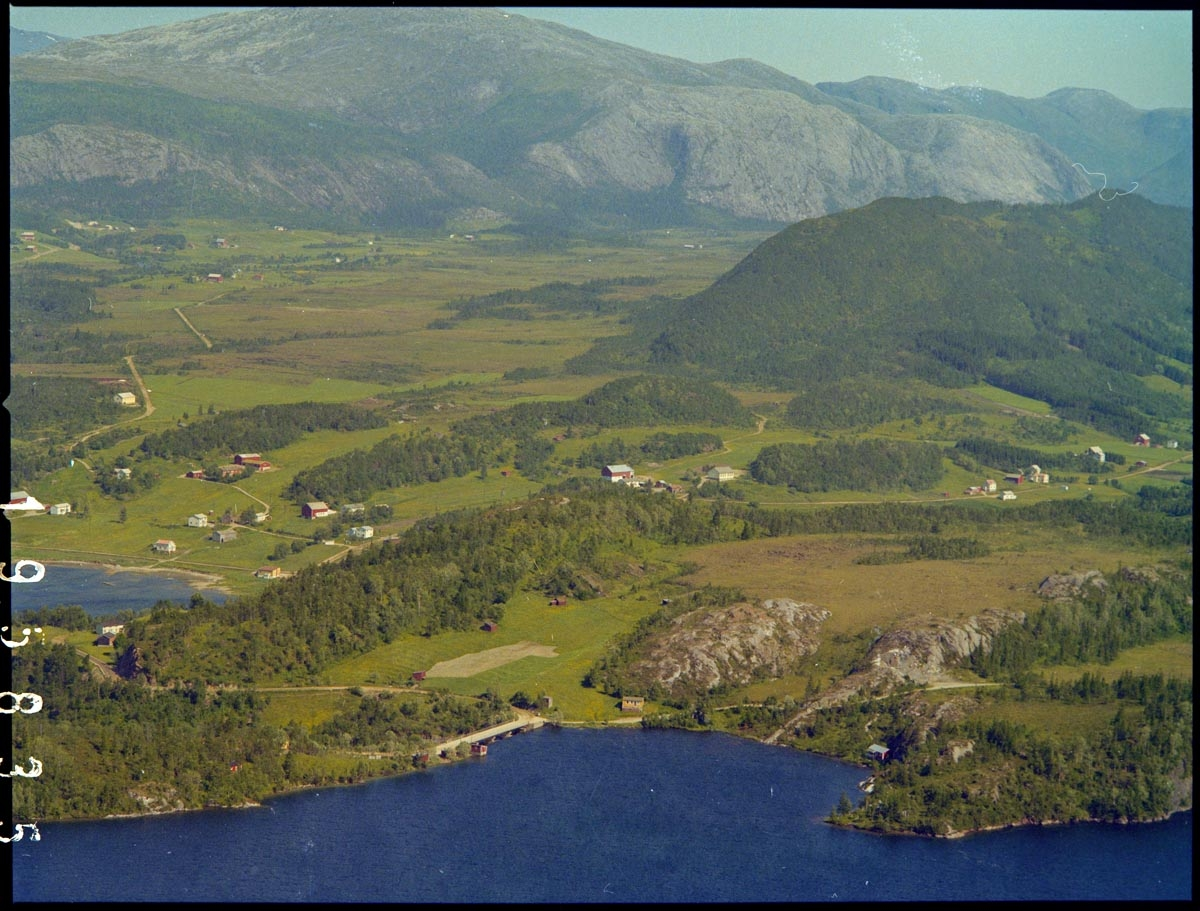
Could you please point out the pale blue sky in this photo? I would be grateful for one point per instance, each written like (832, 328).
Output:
(1144, 58)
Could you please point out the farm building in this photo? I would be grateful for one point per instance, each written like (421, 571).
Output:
(164, 546)
(105, 639)
(242, 458)
(28, 236)
(479, 749)
(721, 473)
(1095, 452)
(878, 752)
(199, 520)
(489, 626)
(1008, 495)
(616, 472)
(1014, 478)
(315, 510)
(989, 486)
(59, 509)
(230, 471)
(221, 535)
(214, 277)
(260, 517)
(559, 601)
(1141, 440)
(353, 508)
(633, 703)
(418, 676)
(268, 572)
(361, 532)
(125, 398)
(197, 473)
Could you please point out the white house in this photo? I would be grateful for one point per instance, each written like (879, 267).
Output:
(164, 546)
(1008, 495)
(59, 509)
(199, 520)
(125, 398)
(361, 532)
(1096, 453)
(721, 473)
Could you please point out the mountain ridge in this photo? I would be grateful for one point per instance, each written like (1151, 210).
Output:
(473, 108)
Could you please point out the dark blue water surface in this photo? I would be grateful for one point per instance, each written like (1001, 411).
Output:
(101, 592)
(612, 815)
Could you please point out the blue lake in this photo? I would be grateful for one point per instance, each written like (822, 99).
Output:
(563, 815)
(101, 592)
(568, 815)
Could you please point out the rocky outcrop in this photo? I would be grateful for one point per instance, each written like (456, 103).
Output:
(1065, 586)
(920, 650)
(131, 667)
(730, 645)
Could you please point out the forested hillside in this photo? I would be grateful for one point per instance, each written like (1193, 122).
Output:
(1075, 305)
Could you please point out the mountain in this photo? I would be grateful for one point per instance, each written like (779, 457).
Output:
(408, 116)
(21, 41)
(1072, 304)
(1094, 128)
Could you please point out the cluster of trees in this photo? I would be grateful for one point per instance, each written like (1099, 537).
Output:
(1008, 457)
(658, 447)
(116, 747)
(480, 442)
(865, 400)
(394, 462)
(263, 427)
(64, 616)
(1128, 770)
(60, 405)
(928, 547)
(28, 462)
(404, 723)
(593, 296)
(871, 464)
(1130, 609)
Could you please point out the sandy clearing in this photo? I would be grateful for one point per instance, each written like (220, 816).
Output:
(475, 662)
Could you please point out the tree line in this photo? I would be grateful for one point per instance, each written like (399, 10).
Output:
(870, 465)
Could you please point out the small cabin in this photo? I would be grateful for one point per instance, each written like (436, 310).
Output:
(878, 752)
(418, 676)
(633, 703)
(479, 749)
(489, 626)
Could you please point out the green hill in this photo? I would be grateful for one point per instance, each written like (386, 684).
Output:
(1072, 304)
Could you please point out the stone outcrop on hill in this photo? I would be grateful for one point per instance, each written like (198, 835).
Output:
(730, 645)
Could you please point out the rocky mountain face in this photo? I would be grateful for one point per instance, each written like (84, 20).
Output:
(730, 645)
(21, 41)
(404, 115)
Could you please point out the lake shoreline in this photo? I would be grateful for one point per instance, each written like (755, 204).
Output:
(196, 579)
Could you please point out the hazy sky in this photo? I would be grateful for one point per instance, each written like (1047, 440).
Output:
(1144, 58)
